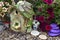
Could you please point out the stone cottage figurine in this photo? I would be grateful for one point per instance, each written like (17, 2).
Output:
(22, 19)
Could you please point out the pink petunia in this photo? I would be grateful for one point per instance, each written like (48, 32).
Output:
(49, 2)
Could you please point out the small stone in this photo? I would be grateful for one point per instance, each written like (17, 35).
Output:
(6, 24)
(38, 38)
(50, 38)
(42, 36)
(6, 38)
(22, 38)
(30, 39)
(11, 36)
(1, 26)
(35, 33)
(28, 36)
(16, 39)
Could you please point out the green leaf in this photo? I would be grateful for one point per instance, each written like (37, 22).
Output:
(30, 22)
(1, 0)
(58, 21)
(58, 11)
(29, 26)
(27, 15)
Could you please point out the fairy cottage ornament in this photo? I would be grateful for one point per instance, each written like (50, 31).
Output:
(34, 32)
(25, 8)
(17, 22)
(26, 11)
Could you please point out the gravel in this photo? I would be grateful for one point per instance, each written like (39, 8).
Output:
(10, 35)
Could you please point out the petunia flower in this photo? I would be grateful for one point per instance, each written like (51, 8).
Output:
(50, 18)
(49, 2)
(43, 26)
(44, 23)
(40, 18)
(50, 10)
(48, 27)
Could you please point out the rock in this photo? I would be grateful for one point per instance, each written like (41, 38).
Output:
(1, 26)
(35, 33)
(50, 38)
(16, 39)
(6, 24)
(30, 39)
(11, 36)
(43, 37)
(6, 39)
(22, 38)
(28, 36)
(38, 38)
